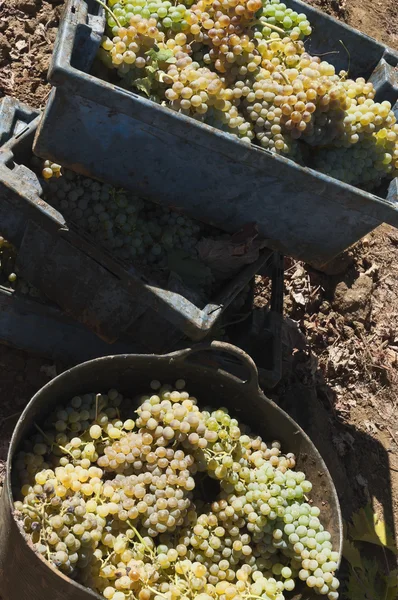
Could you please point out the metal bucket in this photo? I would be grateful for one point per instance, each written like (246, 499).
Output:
(25, 575)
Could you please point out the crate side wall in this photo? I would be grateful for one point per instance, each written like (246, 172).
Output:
(299, 212)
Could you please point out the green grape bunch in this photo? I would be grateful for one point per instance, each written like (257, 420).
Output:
(170, 502)
(132, 229)
(241, 66)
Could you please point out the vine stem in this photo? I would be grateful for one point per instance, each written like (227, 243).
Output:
(97, 399)
(114, 17)
(53, 443)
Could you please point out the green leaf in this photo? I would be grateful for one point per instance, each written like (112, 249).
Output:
(143, 84)
(371, 569)
(352, 555)
(191, 270)
(364, 585)
(171, 60)
(391, 582)
(355, 589)
(159, 54)
(367, 527)
(164, 55)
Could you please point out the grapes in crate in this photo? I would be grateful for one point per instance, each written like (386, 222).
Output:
(242, 66)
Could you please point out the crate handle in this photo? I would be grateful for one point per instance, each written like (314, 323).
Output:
(14, 118)
(216, 346)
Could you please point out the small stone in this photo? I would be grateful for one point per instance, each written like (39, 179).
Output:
(354, 302)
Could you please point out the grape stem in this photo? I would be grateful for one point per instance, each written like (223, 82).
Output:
(156, 592)
(349, 55)
(10, 416)
(114, 17)
(141, 539)
(285, 78)
(274, 27)
(108, 558)
(53, 443)
(37, 512)
(97, 399)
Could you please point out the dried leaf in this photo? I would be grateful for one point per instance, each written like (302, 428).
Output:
(292, 337)
(21, 45)
(298, 297)
(352, 554)
(227, 256)
(367, 527)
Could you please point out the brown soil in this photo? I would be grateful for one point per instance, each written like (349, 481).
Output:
(27, 33)
(342, 385)
(377, 18)
(340, 380)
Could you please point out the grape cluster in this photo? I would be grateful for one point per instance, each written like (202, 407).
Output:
(367, 162)
(241, 66)
(177, 502)
(124, 224)
(8, 276)
(276, 13)
(51, 169)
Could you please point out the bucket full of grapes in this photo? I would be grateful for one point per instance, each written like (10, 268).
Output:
(165, 478)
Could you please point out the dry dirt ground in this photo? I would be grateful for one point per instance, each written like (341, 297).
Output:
(340, 379)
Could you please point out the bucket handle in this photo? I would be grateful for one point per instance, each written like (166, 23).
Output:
(216, 346)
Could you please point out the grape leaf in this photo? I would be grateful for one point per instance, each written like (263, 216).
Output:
(352, 554)
(229, 254)
(391, 581)
(143, 84)
(362, 585)
(159, 54)
(370, 584)
(355, 589)
(374, 579)
(368, 527)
